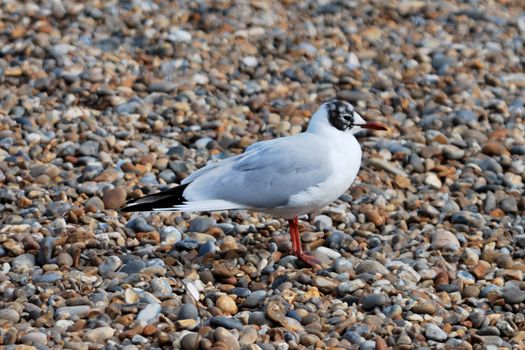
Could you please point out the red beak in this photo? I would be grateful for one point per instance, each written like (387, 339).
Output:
(374, 126)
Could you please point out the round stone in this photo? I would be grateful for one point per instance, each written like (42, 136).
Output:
(9, 315)
(99, 335)
(188, 311)
(227, 305)
(114, 198)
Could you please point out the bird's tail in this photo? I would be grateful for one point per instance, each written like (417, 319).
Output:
(158, 201)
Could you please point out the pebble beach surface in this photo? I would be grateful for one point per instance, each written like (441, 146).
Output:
(103, 101)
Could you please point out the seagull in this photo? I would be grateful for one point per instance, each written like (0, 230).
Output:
(286, 177)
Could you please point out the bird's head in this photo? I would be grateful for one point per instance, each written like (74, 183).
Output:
(342, 116)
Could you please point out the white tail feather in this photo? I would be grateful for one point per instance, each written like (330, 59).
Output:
(206, 205)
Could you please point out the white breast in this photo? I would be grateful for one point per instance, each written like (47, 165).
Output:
(344, 159)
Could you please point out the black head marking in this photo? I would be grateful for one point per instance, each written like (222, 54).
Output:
(340, 114)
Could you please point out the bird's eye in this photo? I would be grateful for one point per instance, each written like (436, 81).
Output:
(348, 118)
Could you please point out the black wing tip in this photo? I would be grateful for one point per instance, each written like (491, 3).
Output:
(167, 198)
(137, 207)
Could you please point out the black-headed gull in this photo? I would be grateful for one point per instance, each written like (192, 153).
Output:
(286, 177)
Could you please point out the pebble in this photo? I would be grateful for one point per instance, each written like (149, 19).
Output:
(433, 181)
(161, 286)
(226, 322)
(201, 224)
(513, 295)
(227, 305)
(169, 235)
(149, 314)
(114, 198)
(343, 265)
(350, 286)
(23, 263)
(249, 336)
(110, 264)
(468, 218)
(444, 240)
(35, 339)
(434, 332)
(255, 298)
(89, 148)
(207, 248)
(9, 315)
(94, 203)
(79, 311)
(427, 307)
(190, 341)
(453, 152)
(372, 267)
(188, 311)
(223, 335)
(372, 301)
(99, 335)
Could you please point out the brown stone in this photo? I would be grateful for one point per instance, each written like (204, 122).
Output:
(224, 269)
(150, 329)
(481, 269)
(427, 308)
(402, 181)
(497, 213)
(114, 198)
(227, 305)
(381, 344)
(150, 237)
(441, 278)
(373, 215)
(493, 148)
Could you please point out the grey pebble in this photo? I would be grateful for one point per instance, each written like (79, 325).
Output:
(140, 225)
(160, 286)
(433, 332)
(453, 152)
(226, 322)
(509, 205)
(201, 224)
(255, 298)
(49, 277)
(372, 301)
(133, 266)
(110, 264)
(149, 314)
(23, 263)
(323, 222)
(206, 248)
(35, 338)
(350, 286)
(343, 265)
(372, 267)
(368, 345)
(95, 202)
(353, 337)
(468, 218)
(9, 315)
(169, 234)
(89, 148)
(513, 295)
(187, 244)
(188, 311)
(80, 311)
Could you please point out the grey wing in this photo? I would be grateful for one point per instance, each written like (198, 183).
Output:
(266, 176)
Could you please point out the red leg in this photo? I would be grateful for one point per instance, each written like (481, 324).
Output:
(294, 234)
(297, 248)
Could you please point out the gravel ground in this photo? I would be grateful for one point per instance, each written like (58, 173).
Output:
(101, 99)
